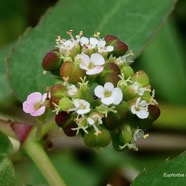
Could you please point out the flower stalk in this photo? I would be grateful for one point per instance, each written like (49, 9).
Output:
(36, 152)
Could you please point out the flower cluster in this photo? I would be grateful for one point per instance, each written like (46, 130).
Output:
(97, 93)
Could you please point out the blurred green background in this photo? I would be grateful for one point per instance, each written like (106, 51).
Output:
(164, 60)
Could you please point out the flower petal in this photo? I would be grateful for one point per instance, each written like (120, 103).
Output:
(99, 91)
(95, 70)
(107, 100)
(34, 97)
(142, 114)
(109, 48)
(118, 95)
(108, 86)
(28, 107)
(84, 40)
(83, 111)
(39, 112)
(93, 41)
(97, 59)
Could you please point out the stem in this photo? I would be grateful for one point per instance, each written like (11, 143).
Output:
(40, 158)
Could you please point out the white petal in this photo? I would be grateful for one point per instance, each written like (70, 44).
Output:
(143, 103)
(97, 59)
(118, 95)
(90, 121)
(83, 111)
(133, 109)
(101, 43)
(84, 40)
(76, 103)
(95, 70)
(107, 101)
(142, 114)
(93, 41)
(109, 48)
(108, 86)
(99, 91)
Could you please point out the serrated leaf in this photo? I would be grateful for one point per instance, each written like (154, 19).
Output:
(171, 173)
(134, 22)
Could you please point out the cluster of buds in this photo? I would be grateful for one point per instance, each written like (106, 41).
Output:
(97, 93)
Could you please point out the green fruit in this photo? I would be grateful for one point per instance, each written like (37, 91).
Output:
(101, 139)
(141, 77)
(127, 71)
(126, 134)
(72, 71)
(111, 74)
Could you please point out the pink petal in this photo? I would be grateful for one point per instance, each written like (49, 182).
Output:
(34, 98)
(84, 59)
(95, 70)
(28, 107)
(39, 112)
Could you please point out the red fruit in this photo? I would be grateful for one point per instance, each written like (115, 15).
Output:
(120, 48)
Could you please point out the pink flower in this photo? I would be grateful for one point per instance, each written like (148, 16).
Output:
(92, 64)
(34, 105)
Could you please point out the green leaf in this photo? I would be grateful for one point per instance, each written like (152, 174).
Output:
(4, 90)
(164, 60)
(6, 167)
(134, 22)
(168, 173)
(5, 145)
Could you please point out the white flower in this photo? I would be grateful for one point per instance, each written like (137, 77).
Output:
(82, 106)
(88, 43)
(140, 108)
(138, 133)
(72, 90)
(92, 65)
(108, 94)
(65, 46)
(102, 48)
(139, 90)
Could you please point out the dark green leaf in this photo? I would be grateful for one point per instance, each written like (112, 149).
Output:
(168, 173)
(134, 22)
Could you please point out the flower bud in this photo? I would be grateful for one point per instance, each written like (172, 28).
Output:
(66, 122)
(99, 139)
(52, 61)
(111, 74)
(72, 71)
(120, 48)
(141, 77)
(127, 71)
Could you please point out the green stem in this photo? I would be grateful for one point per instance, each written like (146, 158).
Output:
(40, 158)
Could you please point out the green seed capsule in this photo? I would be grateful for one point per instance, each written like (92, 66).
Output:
(127, 71)
(126, 134)
(97, 139)
(141, 77)
(72, 71)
